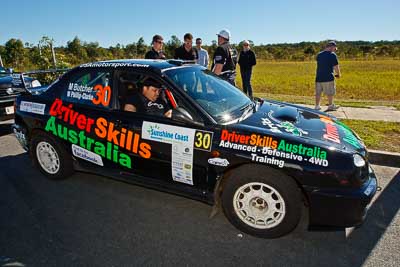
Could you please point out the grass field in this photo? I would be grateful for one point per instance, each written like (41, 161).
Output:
(377, 134)
(362, 83)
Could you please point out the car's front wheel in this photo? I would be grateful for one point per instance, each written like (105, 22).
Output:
(264, 203)
(50, 157)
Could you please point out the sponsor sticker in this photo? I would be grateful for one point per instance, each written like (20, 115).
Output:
(86, 155)
(182, 145)
(270, 150)
(32, 107)
(112, 65)
(218, 162)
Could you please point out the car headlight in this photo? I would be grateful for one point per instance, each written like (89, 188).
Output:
(358, 160)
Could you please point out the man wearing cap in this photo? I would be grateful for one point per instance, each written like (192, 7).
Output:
(156, 49)
(247, 59)
(186, 51)
(327, 65)
(150, 100)
(203, 54)
(225, 58)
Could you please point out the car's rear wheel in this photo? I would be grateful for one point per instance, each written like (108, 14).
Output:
(264, 203)
(50, 157)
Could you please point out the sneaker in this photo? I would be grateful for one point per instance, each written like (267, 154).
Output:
(317, 108)
(332, 107)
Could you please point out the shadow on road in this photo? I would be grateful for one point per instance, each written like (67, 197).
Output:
(75, 220)
(364, 239)
(5, 128)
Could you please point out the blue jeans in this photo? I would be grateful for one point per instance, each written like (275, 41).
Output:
(246, 82)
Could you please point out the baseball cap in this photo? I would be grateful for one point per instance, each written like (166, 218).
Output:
(246, 42)
(151, 82)
(331, 43)
(225, 34)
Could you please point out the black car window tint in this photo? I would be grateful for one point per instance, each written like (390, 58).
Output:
(128, 86)
(90, 87)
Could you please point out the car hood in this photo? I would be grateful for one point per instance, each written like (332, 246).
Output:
(292, 121)
(6, 82)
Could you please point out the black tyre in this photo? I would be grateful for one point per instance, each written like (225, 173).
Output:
(264, 202)
(50, 157)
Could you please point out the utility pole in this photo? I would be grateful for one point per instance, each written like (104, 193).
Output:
(54, 55)
(1, 62)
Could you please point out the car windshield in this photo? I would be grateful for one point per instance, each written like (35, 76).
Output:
(216, 96)
(3, 72)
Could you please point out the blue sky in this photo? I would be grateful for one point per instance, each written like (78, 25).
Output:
(111, 22)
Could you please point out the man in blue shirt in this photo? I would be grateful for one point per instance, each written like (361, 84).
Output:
(327, 65)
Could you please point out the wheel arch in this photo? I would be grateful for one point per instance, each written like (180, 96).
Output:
(250, 168)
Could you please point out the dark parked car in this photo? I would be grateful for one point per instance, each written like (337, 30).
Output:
(261, 160)
(11, 85)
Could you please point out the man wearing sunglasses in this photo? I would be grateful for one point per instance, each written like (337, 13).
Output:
(156, 49)
(150, 100)
(247, 59)
(187, 51)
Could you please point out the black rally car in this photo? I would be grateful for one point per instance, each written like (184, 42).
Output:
(261, 160)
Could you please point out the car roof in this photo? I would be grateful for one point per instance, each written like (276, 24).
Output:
(155, 64)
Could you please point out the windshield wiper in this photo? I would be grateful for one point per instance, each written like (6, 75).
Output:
(246, 110)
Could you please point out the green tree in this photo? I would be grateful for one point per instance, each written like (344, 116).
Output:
(92, 50)
(14, 53)
(171, 45)
(77, 51)
(141, 47)
(131, 50)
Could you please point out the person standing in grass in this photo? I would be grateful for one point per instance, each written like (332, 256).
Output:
(247, 59)
(327, 65)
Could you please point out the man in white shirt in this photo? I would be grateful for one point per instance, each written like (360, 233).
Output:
(203, 54)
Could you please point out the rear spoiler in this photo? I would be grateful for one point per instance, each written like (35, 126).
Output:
(18, 78)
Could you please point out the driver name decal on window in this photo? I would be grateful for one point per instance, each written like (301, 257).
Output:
(80, 92)
(90, 88)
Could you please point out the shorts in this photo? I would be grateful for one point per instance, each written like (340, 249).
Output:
(329, 88)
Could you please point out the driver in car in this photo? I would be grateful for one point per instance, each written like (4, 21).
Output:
(150, 99)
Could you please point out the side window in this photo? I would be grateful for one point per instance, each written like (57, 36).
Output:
(90, 87)
(144, 94)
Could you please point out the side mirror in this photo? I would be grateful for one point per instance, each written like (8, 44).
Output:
(181, 114)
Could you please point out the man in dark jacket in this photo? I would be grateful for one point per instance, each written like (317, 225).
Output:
(247, 59)
(186, 51)
(225, 58)
(156, 49)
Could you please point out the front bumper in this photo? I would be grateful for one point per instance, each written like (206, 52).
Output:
(6, 109)
(341, 207)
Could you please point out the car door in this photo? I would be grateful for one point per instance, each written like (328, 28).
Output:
(82, 112)
(178, 150)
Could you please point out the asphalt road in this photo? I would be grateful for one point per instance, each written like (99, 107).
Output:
(89, 220)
